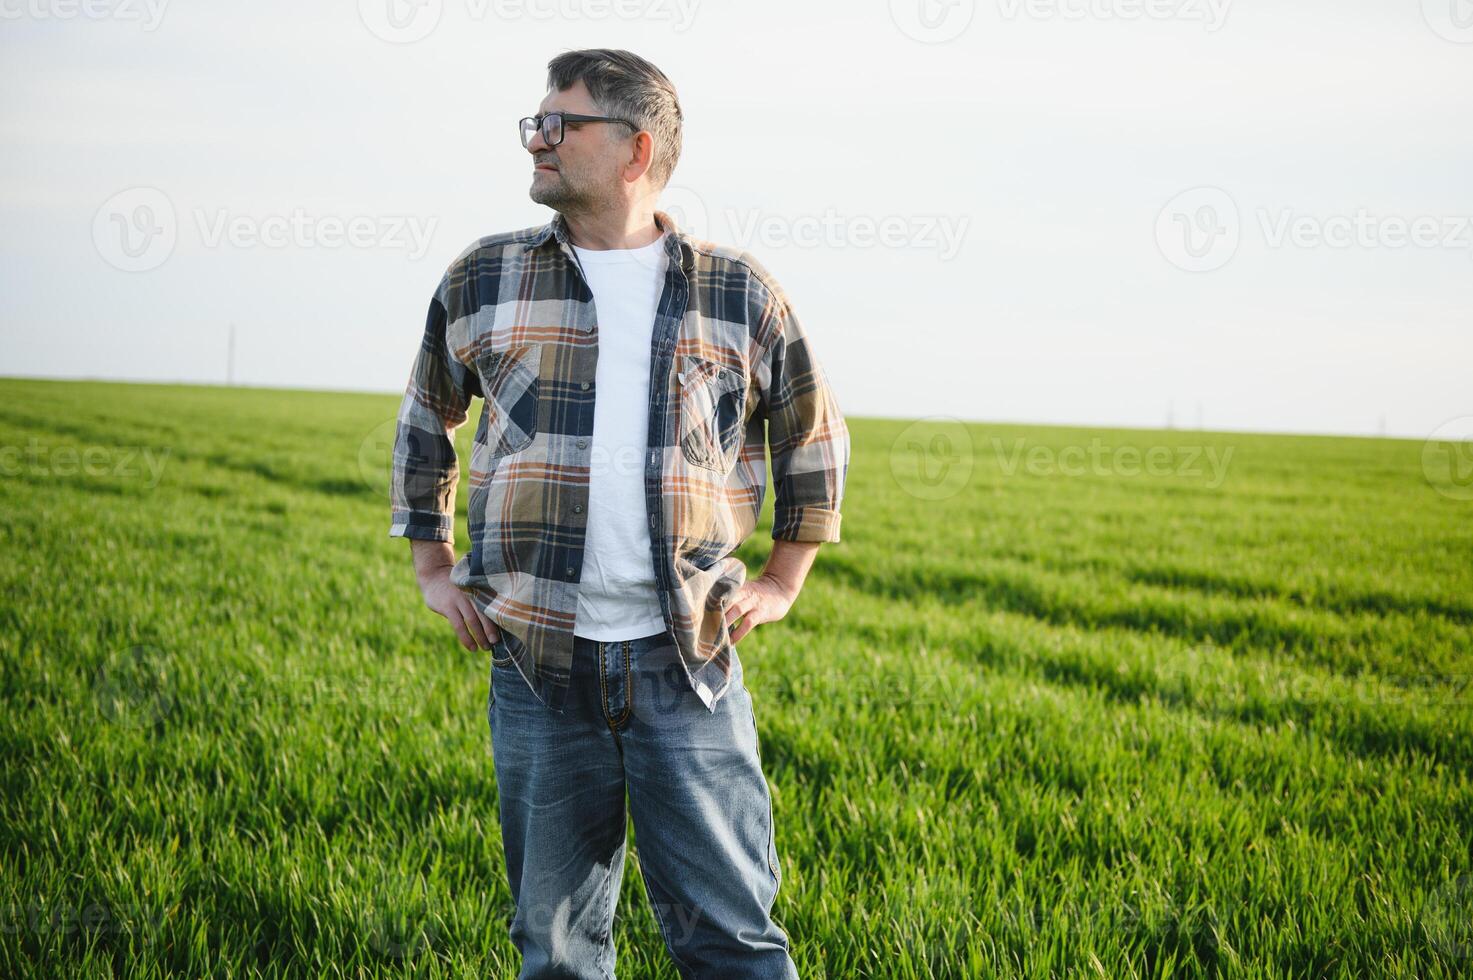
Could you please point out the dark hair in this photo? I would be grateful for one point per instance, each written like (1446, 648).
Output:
(624, 84)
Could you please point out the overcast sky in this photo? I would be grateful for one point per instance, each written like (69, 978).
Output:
(1257, 214)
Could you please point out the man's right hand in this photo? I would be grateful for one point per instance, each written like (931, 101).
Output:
(433, 561)
(455, 604)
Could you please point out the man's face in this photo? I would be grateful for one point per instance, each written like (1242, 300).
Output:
(582, 174)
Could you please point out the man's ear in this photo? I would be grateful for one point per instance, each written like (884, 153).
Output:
(641, 158)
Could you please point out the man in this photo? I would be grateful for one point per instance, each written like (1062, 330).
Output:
(627, 372)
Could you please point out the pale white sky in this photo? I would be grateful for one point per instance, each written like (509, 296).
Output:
(1076, 211)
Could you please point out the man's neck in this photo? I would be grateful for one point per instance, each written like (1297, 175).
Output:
(626, 229)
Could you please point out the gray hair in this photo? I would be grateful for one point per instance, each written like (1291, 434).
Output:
(626, 85)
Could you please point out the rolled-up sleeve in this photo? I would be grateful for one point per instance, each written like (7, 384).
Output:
(806, 433)
(424, 470)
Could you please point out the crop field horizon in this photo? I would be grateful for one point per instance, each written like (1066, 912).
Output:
(1062, 701)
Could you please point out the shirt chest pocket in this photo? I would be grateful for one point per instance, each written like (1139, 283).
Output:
(712, 413)
(510, 381)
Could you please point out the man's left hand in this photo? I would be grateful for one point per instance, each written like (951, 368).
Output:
(759, 600)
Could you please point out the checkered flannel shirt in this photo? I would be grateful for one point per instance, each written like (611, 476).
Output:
(512, 321)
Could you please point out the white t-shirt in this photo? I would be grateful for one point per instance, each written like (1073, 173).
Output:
(617, 597)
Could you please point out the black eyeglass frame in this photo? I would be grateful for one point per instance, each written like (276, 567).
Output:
(538, 122)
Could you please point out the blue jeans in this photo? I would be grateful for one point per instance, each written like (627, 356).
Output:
(702, 814)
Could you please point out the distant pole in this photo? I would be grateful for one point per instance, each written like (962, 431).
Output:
(230, 359)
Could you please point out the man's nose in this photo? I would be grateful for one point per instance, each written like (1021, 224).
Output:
(537, 144)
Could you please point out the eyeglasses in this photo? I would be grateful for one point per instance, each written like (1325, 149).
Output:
(551, 125)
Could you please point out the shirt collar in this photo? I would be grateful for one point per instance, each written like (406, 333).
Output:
(677, 244)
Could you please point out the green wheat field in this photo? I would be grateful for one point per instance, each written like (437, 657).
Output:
(1062, 702)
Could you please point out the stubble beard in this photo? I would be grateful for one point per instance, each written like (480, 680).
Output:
(559, 195)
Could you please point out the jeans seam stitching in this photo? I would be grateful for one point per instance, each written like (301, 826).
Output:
(664, 929)
(608, 942)
(771, 822)
(628, 690)
(602, 685)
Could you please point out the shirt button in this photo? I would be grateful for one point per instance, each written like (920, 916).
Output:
(582, 443)
(586, 386)
(570, 573)
(577, 508)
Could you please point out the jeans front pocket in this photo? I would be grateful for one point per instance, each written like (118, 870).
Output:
(500, 654)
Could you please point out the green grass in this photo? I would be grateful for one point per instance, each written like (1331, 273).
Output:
(1026, 719)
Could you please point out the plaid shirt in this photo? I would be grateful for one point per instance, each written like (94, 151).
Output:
(512, 321)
